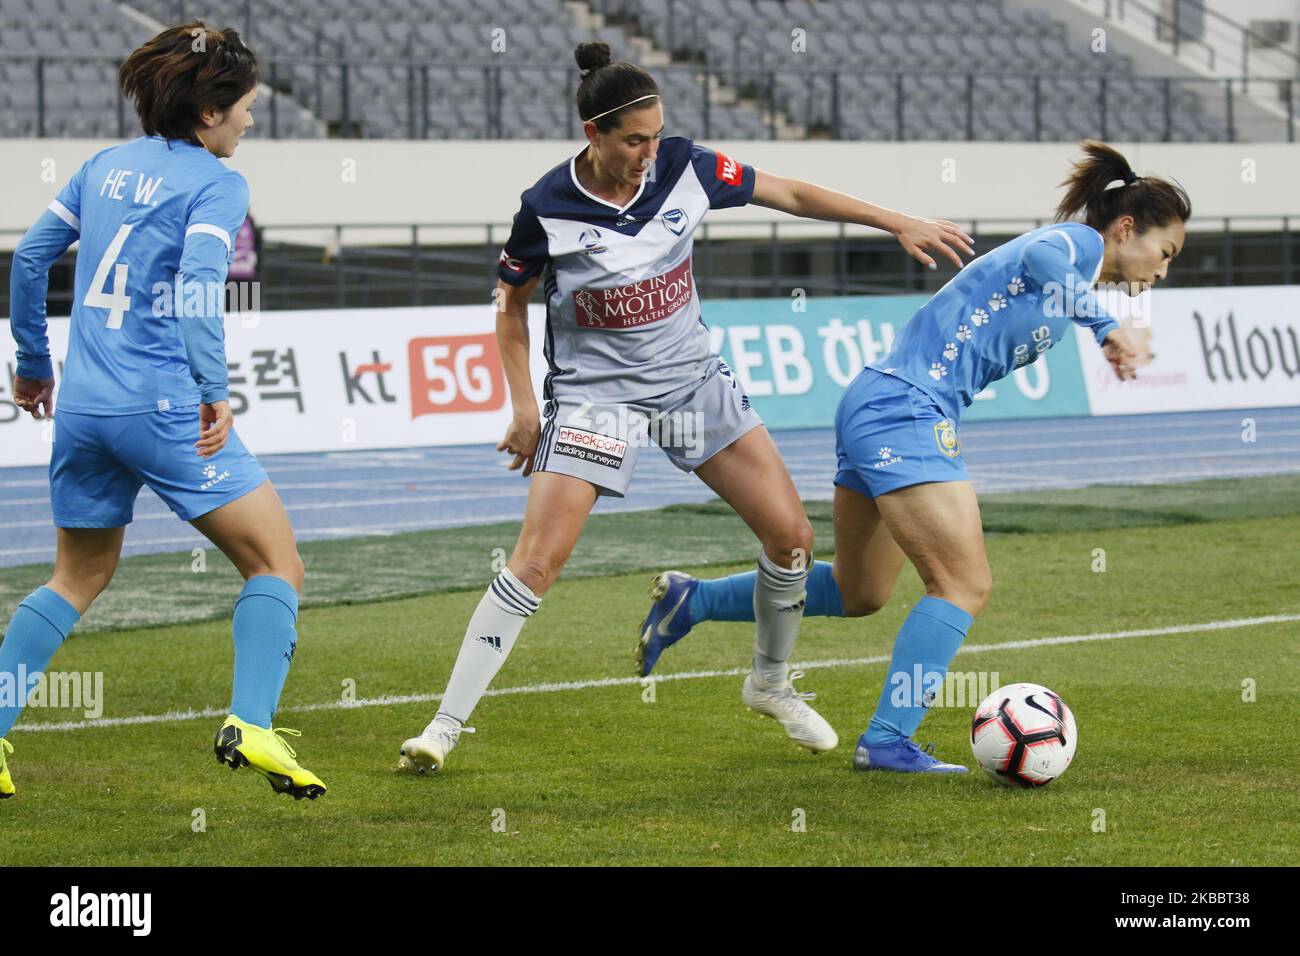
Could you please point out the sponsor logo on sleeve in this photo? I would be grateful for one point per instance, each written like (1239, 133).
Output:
(514, 265)
(729, 170)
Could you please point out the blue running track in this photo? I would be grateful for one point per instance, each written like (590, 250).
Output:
(348, 494)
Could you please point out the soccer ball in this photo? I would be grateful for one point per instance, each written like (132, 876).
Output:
(1023, 735)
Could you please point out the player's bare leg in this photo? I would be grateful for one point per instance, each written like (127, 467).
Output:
(83, 566)
(557, 509)
(938, 527)
(255, 534)
(867, 558)
(750, 475)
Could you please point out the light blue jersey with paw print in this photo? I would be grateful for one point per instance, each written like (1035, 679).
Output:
(1000, 312)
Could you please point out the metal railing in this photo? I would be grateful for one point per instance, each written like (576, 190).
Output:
(353, 97)
(353, 266)
(1191, 23)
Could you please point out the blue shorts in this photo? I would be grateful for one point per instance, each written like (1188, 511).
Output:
(890, 434)
(99, 463)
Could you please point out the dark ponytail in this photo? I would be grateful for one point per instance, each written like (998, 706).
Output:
(183, 71)
(609, 86)
(1150, 200)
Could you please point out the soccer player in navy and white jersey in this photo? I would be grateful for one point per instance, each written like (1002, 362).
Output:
(608, 234)
(143, 399)
(901, 489)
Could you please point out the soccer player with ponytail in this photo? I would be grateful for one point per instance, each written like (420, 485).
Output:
(901, 489)
(608, 235)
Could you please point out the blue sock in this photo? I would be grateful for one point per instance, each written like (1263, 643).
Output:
(922, 651)
(40, 624)
(732, 598)
(265, 639)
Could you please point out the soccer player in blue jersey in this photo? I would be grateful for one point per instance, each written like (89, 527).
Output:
(901, 489)
(143, 400)
(608, 234)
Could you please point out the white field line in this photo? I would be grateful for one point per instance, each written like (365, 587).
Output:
(177, 716)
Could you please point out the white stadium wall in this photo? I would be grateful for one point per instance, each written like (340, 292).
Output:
(296, 182)
(391, 378)
(380, 378)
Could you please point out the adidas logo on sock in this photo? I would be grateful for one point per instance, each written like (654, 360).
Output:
(798, 606)
(491, 640)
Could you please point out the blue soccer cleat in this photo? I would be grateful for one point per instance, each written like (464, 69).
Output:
(669, 619)
(902, 757)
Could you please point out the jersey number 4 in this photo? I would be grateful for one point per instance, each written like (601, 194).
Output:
(117, 301)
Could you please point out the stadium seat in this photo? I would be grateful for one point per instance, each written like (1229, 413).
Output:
(749, 41)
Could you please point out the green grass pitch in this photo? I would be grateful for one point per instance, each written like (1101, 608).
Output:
(1186, 754)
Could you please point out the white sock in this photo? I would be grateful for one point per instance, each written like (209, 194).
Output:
(778, 609)
(492, 631)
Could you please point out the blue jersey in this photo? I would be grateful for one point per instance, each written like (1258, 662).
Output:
(1000, 312)
(156, 220)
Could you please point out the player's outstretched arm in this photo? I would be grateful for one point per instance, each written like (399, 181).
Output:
(1049, 261)
(512, 339)
(810, 201)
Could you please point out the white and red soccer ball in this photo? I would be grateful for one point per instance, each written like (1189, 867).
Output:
(1023, 735)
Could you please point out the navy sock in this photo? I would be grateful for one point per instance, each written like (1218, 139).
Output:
(39, 626)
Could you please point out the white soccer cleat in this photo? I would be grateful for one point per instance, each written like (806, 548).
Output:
(802, 724)
(429, 751)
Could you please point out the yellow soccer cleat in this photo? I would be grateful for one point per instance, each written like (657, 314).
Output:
(241, 744)
(6, 781)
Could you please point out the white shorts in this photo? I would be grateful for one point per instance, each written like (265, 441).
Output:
(600, 442)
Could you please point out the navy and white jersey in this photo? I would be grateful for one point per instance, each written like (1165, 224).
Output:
(156, 220)
(623, 316)
(1000, 312)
